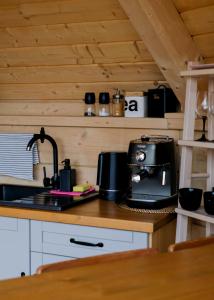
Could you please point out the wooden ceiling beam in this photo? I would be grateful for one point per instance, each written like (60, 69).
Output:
(162, 30)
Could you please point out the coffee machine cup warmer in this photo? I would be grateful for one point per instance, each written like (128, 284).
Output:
(152, 172)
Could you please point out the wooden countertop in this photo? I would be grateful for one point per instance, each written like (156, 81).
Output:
(99, 213)
(181, 275)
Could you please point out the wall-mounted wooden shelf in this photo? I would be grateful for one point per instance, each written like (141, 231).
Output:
(100, 122)
(172, 121)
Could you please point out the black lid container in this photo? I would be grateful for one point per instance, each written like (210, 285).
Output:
(112, 175)
(90, 109)
(160, 101)
(104, 98)
(90, 98)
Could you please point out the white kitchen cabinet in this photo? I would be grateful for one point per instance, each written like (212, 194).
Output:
(27, 244)
(14, 247)
(63, 241)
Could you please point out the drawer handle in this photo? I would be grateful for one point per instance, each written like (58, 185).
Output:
(73, 241)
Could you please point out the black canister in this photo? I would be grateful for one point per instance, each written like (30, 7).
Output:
(112, 175)
(162, 100)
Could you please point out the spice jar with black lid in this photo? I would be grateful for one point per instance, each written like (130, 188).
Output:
(104, 106)
(90, 109)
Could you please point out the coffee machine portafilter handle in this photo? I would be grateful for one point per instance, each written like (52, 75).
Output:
(99, 168)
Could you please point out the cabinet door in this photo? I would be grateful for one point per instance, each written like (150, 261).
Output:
(38, 259)
(14, 247)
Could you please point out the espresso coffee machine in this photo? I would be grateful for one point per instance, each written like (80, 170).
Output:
(152, 172)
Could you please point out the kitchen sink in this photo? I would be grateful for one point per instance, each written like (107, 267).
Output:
(9, 192)
(38, 198)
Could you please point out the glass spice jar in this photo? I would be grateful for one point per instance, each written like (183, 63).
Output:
(104, 106)
(118, 104)
(90, 109)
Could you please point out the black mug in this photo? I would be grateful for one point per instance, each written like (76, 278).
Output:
(190, 198)
(112, 175)
(209, 202)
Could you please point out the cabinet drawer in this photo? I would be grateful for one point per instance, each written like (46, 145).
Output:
(82, 241)
(88, 231)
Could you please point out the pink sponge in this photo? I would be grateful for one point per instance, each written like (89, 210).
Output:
(58, 192)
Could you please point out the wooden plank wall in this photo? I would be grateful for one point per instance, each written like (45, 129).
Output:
(82, 145)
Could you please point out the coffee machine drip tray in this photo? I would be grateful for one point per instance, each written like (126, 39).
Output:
(150, 201)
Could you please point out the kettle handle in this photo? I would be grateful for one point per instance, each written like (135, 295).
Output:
(99, 168)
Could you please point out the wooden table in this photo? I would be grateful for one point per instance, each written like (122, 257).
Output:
(181, 275)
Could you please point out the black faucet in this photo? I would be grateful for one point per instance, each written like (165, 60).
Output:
(42, 136)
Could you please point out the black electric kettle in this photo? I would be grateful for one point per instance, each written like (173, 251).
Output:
(112, 175)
